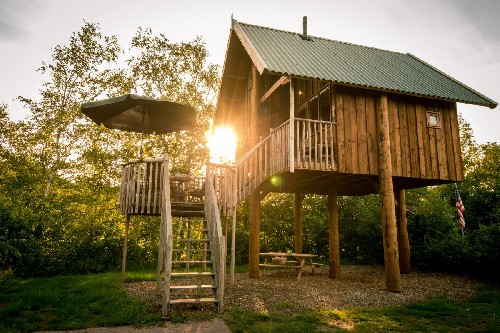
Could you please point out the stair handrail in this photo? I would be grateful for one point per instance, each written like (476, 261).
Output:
(166, 238)
(267, 157)
(217, 240)
(258, 145)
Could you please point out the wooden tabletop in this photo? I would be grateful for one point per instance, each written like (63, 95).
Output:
(288, 254)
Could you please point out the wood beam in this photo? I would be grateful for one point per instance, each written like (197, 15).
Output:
(297, 234)
(235, 77)
(403, 239)
(292, 126)
(125, 248)
(254, 107)
(333, 234)
(281, 81)
(254, 242)
(389, 230)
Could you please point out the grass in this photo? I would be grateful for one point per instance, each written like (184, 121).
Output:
(72, 302)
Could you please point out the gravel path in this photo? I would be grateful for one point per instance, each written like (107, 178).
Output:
(358, 286)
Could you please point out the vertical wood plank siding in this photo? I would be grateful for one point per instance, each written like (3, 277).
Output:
(339, 107)
(418, 151)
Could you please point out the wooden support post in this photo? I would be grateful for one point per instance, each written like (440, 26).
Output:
(333, 235)
(161, 257)
(389, 230)
(125, 248)
(254, 244)
(403, 240)
(205, 247)
(292, 127)
(188, 252)
(233, 228)
(297, 235)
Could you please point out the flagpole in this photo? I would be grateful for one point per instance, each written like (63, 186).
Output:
(457, 198)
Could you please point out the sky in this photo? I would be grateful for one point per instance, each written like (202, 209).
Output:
(459, 37)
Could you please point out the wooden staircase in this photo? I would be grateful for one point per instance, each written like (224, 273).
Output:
(193, 275)
(192, 253)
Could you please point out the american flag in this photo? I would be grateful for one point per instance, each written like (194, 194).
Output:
(460, 208)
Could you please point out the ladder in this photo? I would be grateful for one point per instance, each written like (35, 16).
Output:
(193, 275)
(192, 252)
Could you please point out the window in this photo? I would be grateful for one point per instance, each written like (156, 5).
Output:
(433, 119)
(318, 106)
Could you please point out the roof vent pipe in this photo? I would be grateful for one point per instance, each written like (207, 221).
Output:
(304, 27)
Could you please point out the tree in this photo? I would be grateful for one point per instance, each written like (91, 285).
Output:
(76, 73)
(469, 147)
(178, 72)
(60, 172)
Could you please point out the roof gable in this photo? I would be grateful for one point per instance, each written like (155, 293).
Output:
(287, 53)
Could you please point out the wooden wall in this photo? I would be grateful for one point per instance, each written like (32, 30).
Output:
(418, 151)
(356, 131)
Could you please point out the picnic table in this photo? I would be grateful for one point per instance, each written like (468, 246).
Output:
(300, 261)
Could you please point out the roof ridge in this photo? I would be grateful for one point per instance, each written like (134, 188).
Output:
(322, 38)
(284, 52)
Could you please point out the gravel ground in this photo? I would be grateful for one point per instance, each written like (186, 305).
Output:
(358, 286)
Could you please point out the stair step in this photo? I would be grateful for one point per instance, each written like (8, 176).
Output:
(191, 274)
(191, 240)
(193, 287)
(192, 229)
(194, 300)
(192, 262)
(190, 250)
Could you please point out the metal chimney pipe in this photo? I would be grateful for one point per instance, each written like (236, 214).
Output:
(304, 27)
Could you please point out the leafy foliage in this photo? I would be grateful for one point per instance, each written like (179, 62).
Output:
(59, 173)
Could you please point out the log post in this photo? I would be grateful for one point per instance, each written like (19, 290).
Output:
(389, 230)
(403, 240)
(292, 126)
(333, 234)
(254, 243)
(298, 222)
(125, 248)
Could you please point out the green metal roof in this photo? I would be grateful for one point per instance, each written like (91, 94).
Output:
(288, 53)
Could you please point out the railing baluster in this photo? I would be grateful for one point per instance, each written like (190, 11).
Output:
(327, 147)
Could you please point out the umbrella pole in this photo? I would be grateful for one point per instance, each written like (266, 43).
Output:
(141, 151)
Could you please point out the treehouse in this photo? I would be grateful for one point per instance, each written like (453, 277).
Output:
(318, 116)
(189, 208)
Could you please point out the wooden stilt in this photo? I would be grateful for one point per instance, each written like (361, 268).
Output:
(333, 235)
(403, 240)
(125, 248)
(161, 257)
(389, 230)
(298, 222)
(254, 244)
(205, 247)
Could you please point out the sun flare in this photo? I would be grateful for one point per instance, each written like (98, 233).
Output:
(222, 145)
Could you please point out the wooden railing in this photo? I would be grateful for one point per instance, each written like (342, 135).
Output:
(215, 233)
(225, 184)
(314, 145)
(224, 180)
(268, 157)
(314, 149)
(141, 187)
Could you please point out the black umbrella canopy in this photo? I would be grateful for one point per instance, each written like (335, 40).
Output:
(133, 113)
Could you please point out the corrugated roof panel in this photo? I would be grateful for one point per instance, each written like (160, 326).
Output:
(287, 53)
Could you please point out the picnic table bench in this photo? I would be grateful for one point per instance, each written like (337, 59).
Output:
(301, 261)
